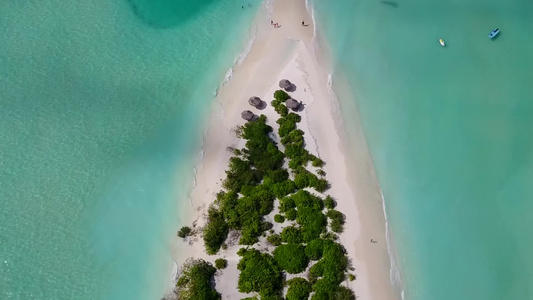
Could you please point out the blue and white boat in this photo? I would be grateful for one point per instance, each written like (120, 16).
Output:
(494, 33)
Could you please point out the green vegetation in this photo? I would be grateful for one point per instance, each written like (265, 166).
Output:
(274, 239)
(351, 277)
(279, 218)
(314, 249)
(259, 273)
(255, 178)
(329, 202)
(291, 234)
(215, 232)
(221, 263)
(337, 220)
(195, 281)
(291, 258)
(184, 232)
(299, 289)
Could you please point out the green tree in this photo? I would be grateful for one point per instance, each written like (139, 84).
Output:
(299, 289)
(259, 273)
(215, 232)
(221, 263)
(184, 232)
(291, 234)
(314, 249)
(195, 281)
(291, 258)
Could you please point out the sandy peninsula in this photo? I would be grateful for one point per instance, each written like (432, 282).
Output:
(290, 51)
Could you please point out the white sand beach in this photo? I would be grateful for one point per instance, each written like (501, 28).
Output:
(288, 52)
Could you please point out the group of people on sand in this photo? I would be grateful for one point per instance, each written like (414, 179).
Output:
(276, 25)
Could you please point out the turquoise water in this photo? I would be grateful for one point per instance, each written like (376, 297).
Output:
(101, 112)
(450, 131)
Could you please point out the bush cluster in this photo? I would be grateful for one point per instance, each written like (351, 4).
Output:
(274, 239)
(184, 232)
(279, 218)
(256, 173)
(308, 214)
(196, 280)
(299, 289)
(259, 273)
(291, 258)
(221, 263)
(215, 232)
(337, 220)
(314, 249)
(329, 202)
(329, 272)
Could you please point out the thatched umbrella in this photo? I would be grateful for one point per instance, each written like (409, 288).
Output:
(255, 101)
(285, 84)
(247, 115)
(292, 104)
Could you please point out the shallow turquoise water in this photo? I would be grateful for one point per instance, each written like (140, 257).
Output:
(450, 134)
(102, 106)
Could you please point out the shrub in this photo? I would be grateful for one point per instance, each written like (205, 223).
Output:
(314, 249)
(293, 117)
(329, 236)
(321, 185)
(317, 162)
(291, 258)
(195, 281)
(337, 220)
(312, 223)
(321, 172)
(301, 181)
(281, 95)
(279, 175)
(329, 202)
(282, 189)
(299, 289)
(291, 234)
(316, 271)
(184, 232)
(325, 290)
(279, 218)
(285, 127)
(221, 263)
(291, 214)
(351, 277)
(274, 239)
(334, 263)
(215, 232)
(286, 204)
(259, 273)
(282, 110)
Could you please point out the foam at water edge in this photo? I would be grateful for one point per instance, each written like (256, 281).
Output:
(269, 5)
(240, 58)
(395, 276)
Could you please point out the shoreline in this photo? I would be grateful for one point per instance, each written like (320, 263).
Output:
(257, 74)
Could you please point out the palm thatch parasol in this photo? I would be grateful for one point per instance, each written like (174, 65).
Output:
(255, 101)
(285, 84)
(247, 115)
(292, 104)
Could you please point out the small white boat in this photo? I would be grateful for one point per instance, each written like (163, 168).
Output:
(441, 41)
(494, 33)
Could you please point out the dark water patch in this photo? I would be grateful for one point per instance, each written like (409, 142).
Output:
(168, 13)
(390, 3)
